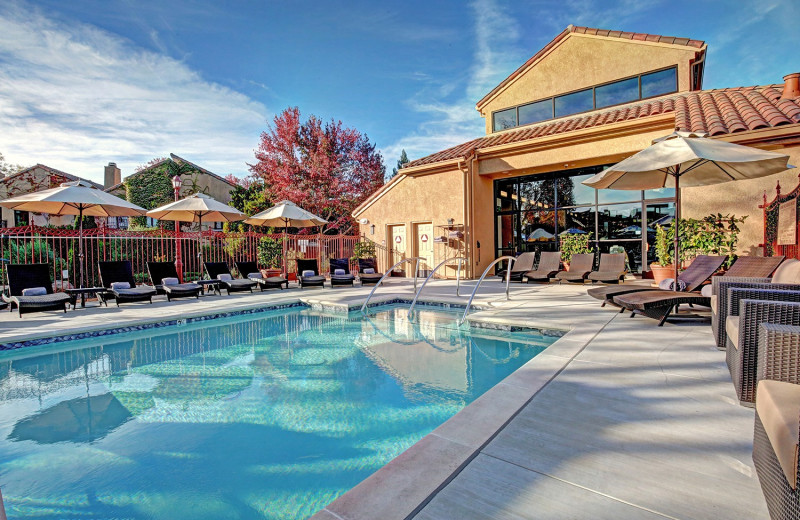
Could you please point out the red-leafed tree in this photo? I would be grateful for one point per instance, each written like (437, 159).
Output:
(325, 168)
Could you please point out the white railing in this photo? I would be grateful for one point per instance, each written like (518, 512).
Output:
(511, 260)
(460, 261)
(388, 272)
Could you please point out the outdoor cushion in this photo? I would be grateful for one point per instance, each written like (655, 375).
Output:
(788, 272)
(732, 327)
(169, 281)
(714, 304)
(307, 273)
(369, 270)
(668, 284)
(34, 291)
(255, 275)
(778, 407)
(707, 291)
(338, 271)
(115, 286)
(224, 276)
(343, 276)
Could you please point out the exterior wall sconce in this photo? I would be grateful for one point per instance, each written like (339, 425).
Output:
(450, 221)
(372, 229)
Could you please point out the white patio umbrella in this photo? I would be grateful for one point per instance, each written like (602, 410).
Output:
(287, 214)
(74, 198)
(196, 208)
(688, 159)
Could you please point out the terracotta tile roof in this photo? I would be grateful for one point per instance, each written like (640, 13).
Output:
(672, 40)
(53, 171)
(717, 112)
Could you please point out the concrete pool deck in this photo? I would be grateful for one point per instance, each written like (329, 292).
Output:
(617, 419)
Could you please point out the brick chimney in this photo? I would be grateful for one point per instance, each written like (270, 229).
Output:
(791, 86)
(113, 175)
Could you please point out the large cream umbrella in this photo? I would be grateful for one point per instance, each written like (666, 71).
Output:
(196, 208)
(74, 198)
(688, 159)
(286, 214)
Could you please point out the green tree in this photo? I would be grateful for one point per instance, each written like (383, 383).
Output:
(401, 162)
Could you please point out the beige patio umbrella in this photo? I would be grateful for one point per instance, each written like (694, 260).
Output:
(74, 198)
(286, 214)
(196, 208)
(685, 159)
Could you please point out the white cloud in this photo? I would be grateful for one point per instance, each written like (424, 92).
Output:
(75, 97)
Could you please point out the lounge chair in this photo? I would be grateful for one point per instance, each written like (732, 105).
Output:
(521, 265)
(610, 270)
(219, 271)
(340, 272)
(698, 272)
(364, 274)
(32, 278)
(549, 261)
(164, 277)
(580, 265)
(308, 273)
(775, 447)
(747, 271)
(251, 271)
(117, 278)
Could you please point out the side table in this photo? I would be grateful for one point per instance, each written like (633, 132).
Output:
(83, 292)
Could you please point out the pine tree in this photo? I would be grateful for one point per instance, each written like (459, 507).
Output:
(401, 162)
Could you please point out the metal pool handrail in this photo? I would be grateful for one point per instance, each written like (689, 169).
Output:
(389, 271)
(511, 260)
(460, 260)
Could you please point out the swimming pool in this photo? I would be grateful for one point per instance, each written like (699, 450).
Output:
(269, 415)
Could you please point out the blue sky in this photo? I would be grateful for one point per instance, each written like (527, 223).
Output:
(86, 82)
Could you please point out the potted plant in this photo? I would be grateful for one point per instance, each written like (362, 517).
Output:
(662, 268)
(270, 252)
(574, 244)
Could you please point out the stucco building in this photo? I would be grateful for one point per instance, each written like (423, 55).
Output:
(587, 100)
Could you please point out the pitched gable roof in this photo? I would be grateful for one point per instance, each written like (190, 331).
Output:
(176, 158)
(571, 29)
(716, 112)
(53, 171)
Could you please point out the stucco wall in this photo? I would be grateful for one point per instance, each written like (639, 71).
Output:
(430, 198)
(742, 198)
(36, 179)
(565, 69)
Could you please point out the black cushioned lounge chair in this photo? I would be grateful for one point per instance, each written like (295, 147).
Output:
(610, 270)
(251, 271)
(580, 265)
(231, 284)
(368, 278)
(549, 262)
(161, 271)
(521, 265)
(698, 272)
(345, 278)
(31, 276)
(310, 280)
(122, 272)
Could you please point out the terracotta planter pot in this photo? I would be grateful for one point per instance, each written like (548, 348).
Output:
(566, 266)
(270, 272)
(662, 272)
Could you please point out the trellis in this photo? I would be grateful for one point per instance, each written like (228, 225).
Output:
(771, 211)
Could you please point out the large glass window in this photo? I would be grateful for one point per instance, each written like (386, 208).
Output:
(581, 101)
(617, 93)
(506, 198)
(21, 218)
(619, 221)
(536, 195)
(505, 119)
(535, 112)
(659, 83)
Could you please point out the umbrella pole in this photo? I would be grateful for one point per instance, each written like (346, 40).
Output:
(283, 260)
(80, 246)
(677, 225)
(200, 242)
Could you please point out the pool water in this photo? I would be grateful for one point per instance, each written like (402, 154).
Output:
(271, 415)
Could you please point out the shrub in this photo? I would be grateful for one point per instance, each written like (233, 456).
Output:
(574, 244)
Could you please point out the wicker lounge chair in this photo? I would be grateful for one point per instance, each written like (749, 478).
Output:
(345, 278)
(112, 273)
(748, 271)
(30, 276)
(549, 262)
(161, 271)
(775, 447)
(757, 307)
(231, 284)
(251, 271)
(659, 305)
(309, 280)
(368, 278)
(521, 265)
(610, 270)
(698, 272)
(580, 266)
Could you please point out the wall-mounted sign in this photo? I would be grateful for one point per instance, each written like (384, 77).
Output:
(424, 238)
(787, 223)
(398, 239)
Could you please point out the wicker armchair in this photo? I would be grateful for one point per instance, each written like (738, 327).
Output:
(743, 333)
(787, 278)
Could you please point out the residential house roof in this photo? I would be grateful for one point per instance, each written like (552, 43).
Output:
(176, 158)
(53, 171)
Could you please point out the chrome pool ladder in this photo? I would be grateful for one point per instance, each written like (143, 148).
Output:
(416, 260)
(459, 259)
(511, 260)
